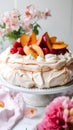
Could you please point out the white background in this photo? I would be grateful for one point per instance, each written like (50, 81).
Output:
(61, 22)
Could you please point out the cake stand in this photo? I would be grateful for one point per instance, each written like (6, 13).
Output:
(40, 97)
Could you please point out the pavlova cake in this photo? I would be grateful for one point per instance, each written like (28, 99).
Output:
(41, 62)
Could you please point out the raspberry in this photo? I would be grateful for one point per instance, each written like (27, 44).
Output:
(20, 50)
(45, 50)
(13, 50)
(17, 44)
(53, 51)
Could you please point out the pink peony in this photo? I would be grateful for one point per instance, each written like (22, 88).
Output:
(54, 118)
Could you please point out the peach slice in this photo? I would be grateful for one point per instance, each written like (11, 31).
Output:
(53, 39)
(37, 49)
(46, 40)
(32, 38)
(39, 41)
(28, 50)
(59, 45)
(24, 39)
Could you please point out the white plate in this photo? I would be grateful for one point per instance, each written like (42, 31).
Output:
(55, 90)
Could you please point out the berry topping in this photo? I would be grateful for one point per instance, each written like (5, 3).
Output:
(53, 51)
(20, 50)
(17, 44)
(30, 44)
(13, 50)
(62, 51)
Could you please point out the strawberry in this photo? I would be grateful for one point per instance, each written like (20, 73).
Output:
(17, 44)
(20, 50)
(13, 50)
(45, 50)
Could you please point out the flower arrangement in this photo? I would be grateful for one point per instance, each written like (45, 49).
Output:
(12, 25)
(58, 115)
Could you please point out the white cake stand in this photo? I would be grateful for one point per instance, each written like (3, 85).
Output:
(40, 97)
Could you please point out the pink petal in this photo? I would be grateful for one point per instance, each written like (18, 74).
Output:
(30, 112)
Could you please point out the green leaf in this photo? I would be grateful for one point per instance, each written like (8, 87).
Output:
(15, 34)
(36, 28)
(3, 25)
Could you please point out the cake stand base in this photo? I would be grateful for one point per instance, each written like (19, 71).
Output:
(37, 100)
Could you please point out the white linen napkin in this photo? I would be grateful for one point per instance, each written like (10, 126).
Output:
(11, 108)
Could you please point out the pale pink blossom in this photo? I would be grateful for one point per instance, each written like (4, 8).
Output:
(12, 23)
(28, 27)
(5, 17)
(15, 14)
(29, 12)
(47, 13)
(32, 13)
(1, 32)
(30, 112)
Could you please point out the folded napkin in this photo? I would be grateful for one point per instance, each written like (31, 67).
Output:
(12, 108)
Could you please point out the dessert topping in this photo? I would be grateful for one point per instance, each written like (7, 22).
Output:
(40, 46)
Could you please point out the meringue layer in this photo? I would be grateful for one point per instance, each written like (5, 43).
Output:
(28, 72)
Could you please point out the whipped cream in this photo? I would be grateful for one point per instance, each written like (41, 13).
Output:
(50, 58)
(29, 57)
(40, 59)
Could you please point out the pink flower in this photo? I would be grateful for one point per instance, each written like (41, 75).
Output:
(12, 25)
(47, 13)
(30, 112)
(32, 13)
(29, 11)
(53, 119)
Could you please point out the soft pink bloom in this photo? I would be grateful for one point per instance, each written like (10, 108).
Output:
(5, 17)
(28, 27)
(30, 112)
(68, 103)
(32, 13)
(68, 110)
(29, 12)
(12, 21)
(1, 32)
(47, 13)
(15, 13)
(53, 119)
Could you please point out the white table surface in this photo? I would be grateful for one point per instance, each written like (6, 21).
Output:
(30, 123)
